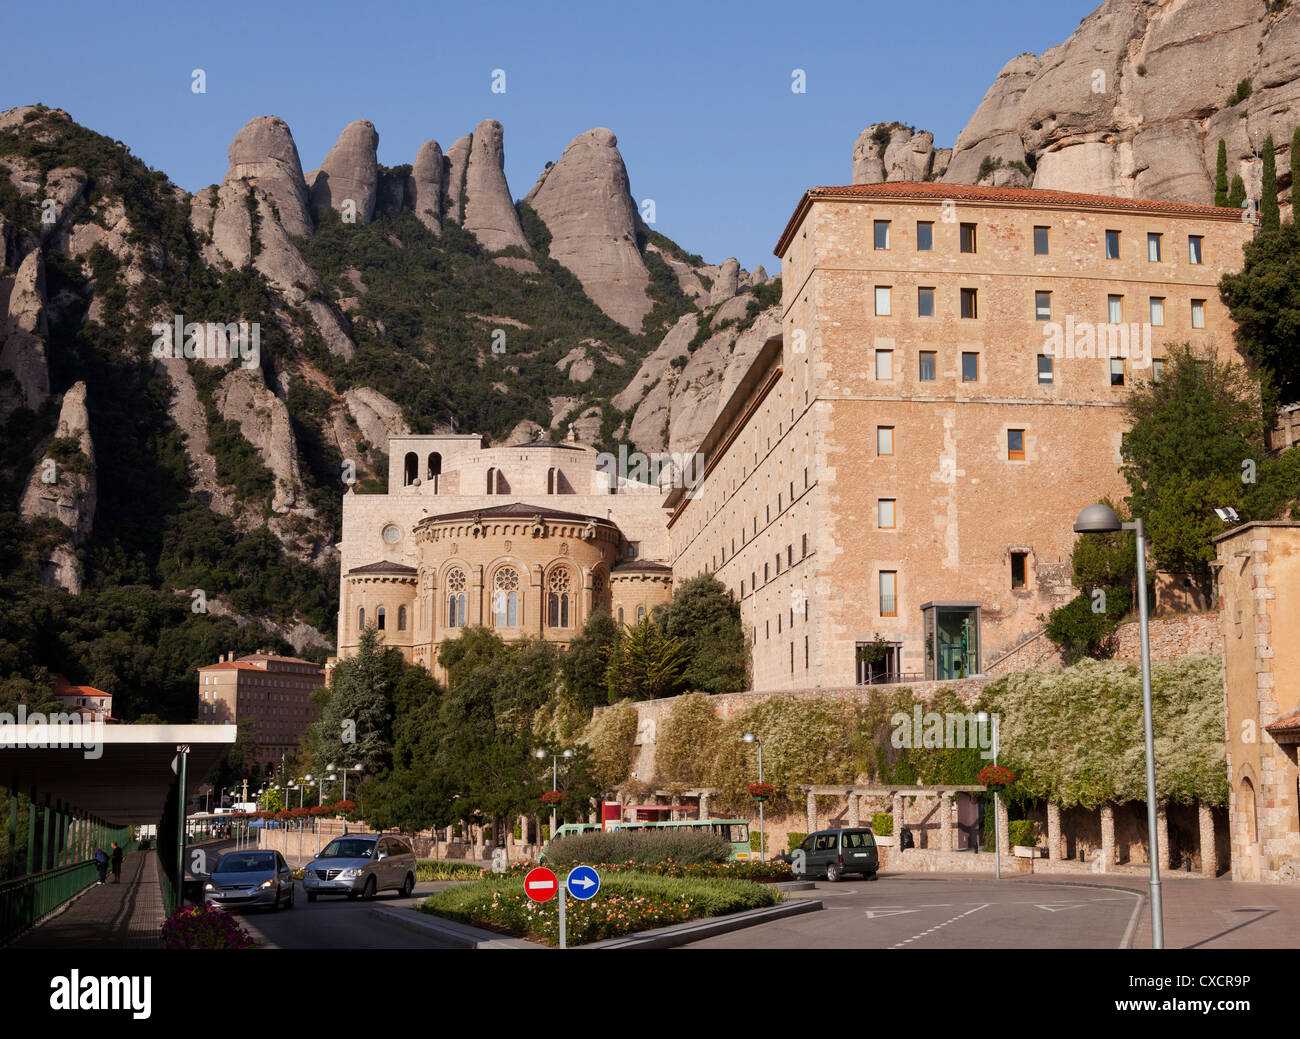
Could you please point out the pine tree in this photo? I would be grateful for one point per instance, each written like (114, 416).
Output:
(1221, 176)
(1270, 216)
(1237, 194)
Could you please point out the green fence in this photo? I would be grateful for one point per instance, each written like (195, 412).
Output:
(26, 900)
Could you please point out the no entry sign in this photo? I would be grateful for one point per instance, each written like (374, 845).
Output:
(540, 884)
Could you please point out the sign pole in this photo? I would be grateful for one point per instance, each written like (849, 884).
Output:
(563, 898)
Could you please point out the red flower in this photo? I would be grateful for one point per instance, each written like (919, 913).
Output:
(996, 776)
(761, 790)
(552, 797)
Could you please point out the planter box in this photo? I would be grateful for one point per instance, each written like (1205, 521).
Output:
(886, 842)
(1021, 852)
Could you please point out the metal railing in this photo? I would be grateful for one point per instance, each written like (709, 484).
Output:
(26, 900)
(892, 677)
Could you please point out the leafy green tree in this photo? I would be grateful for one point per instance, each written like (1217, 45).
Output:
(1263, 300)
(1083, 626)
(583, 663)
(1270, 214)
(646, 663)
(1237, 193)
(1221, 176)
(356, 723)
(705, 615)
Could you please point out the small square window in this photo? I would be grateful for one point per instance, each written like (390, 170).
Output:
(1117, 371)
(925, 302)
(885, 513)
(924, 236)
(1044, 369)
(884, 440)
(1157, 310)
(1115, 309)
(970, 367)
(969, 303)
(1153, 247)
(1043, 306)
(882, 301)
(1112, 245)
(1041, 241)
(884, 365)
(1019, 580)
(968, 238)
(1015, 445)
(1198, 313)
(927, 365)
(882, 234)
(1195, 244)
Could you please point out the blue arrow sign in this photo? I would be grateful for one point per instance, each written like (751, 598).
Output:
(582, 882)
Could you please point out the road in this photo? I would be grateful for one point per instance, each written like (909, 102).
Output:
(952, 912)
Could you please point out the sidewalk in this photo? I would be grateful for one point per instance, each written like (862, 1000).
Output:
(128, 915)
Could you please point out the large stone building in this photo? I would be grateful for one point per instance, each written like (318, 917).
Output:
(903, 466)
(900, 468)
(1259, 607)
(270, 694)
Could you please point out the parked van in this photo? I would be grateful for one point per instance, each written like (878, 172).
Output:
(834, 853)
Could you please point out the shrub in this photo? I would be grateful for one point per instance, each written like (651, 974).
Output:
(793, 839)
(435, 869)
(1242, 92)
(611, 735)
(204, 927)
(641, 846)
(1023, 833)
(882, 824)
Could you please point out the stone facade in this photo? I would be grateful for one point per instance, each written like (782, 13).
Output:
(864, 469)
(271, 694)
(1259, 572)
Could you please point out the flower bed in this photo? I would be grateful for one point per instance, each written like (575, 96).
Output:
(436, 869)
(204, 927)
(774, 870)
(626, 903)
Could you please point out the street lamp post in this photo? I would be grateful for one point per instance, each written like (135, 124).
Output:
(1101, 519)
(555, 780)
(749, 737)
(983, 717)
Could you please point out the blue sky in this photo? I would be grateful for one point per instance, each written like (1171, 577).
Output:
(699, 94)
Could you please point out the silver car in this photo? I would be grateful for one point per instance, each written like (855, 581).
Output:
(250, 878)
(360, 865)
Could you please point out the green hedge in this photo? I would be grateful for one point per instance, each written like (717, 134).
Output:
(436, 869)
(644, 846)
(1023, 833)
(793, 840)
(882, 824)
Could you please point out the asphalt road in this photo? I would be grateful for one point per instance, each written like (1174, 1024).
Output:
(952, 912)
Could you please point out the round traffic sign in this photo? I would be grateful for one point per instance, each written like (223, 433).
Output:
(540, 884)
(582, 882)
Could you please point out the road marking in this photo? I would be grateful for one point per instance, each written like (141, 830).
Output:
(1058, 908)
(873, 913)
(917, 937)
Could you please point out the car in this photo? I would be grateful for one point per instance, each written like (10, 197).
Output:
(837, 852)
(360, 866)
(250, 878)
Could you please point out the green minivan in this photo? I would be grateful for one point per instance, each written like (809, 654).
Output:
(834, 853)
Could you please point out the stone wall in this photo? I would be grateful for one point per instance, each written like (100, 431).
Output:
(1171, 637)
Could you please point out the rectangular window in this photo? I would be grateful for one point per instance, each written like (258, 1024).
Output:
(884, 440)
(1112, 245)
(889, 593)
(882, 234)
(927, 365)
(1117, 371)
(924, 236)
(1157, 310)
(1198, 313)
(1044, 369)
(970, 367)
(1015, 445)
(884, 364)
(925, 302)
(1195, 243)
(969, 303)
(882, 301)
(968, 238)
(1115, 309)
(1157, 369)
(1018, 579)
(1153, 247)
(885, 513)
(742, 587)
(1041, 241)
(805, 546)
(1043, 306)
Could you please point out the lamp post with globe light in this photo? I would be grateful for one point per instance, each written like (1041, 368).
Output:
(1101, 519)
(555, 779)
(749, 737)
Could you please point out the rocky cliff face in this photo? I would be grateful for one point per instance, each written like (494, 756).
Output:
(427, 185)
(348, 179)
(24, 332)
(489, 211)
(1133, 104)
(586, 203)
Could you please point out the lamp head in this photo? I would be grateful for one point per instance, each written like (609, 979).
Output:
(568, 753)
(749, 737)
(1097, 519)
(540, 754)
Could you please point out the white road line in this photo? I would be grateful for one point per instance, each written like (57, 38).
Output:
(916, 937)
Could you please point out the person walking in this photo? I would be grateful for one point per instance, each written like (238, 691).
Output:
(115, 858)
(101, 864)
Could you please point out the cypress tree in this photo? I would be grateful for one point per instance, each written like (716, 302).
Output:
(1237, 194)
(1295, 168)
(1221, 176)
(1270, 216)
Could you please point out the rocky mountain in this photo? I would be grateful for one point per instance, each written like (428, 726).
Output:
(1133, 104)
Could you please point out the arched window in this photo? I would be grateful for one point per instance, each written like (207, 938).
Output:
(456, 599)
(401, 618)
(640, 615)
(505, 597)
(361, 619)
(379, 618)
(552, 484)
(559, 597)
(435, 465)
(410, 469)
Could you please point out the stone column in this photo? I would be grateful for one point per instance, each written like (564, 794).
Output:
(1162, 835)
(1107, 837)
(704, 804)
(1054, 849)
(1004, 827)
(811, 806)
(945, 820)
(1209, 852)
(897, 812)
(855, 817)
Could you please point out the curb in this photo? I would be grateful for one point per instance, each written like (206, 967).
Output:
(457, 935)
(682, 934)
